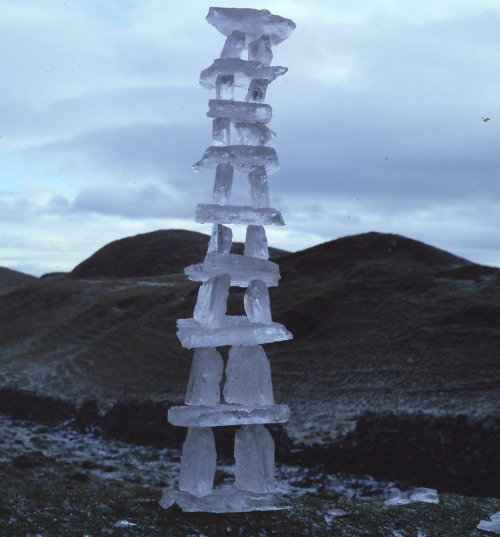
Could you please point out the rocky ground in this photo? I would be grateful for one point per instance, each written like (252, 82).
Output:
(57, 480)
(137, 512)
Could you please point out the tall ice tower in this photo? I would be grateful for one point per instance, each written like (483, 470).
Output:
(248, 400)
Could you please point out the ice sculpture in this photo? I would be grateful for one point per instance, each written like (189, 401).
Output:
(247, 392)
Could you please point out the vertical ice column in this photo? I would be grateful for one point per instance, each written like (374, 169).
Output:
(198, 462)
(204, 380)
(223, 184)
(256, 302)
(259, 190)
(212, 301)
(247, 392)
(256, 242)
(248, 377)
(220, 241)
(254, 458)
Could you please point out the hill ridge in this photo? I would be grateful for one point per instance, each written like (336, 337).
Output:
(155, 253)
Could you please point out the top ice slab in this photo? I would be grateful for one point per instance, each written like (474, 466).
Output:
(252, 22)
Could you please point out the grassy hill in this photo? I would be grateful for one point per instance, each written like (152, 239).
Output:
(381, 322)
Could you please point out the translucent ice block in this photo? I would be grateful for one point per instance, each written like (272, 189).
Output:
(234, 330)
(224, 87)
(252, 22)
(253, 133)
(223, 184)
(227, 500)
(254, 459)
(256, 301)
(198, 462)
(248, 377)
(204, 379)
(221, 415)
(220, 241)
(260, 50)
(221, 131)
(240, 111)
(212, 302)
(238, 214)
(256, 243)
(257, 91)
(233, 47)
(244, 158)
(241, 269)
(258, 187)
(244, 72)
(492, 525)
(424, 495)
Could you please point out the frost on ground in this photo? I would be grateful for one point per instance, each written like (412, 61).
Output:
(55, 481)
(37, 455)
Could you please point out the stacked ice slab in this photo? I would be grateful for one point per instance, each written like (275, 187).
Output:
(247, 395)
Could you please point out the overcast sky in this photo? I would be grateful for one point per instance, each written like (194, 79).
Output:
(380, 123)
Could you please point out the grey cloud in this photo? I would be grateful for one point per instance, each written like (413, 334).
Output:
(57, 204)
(131, 153)
(18, 210)
(149, 201)
(336, 146)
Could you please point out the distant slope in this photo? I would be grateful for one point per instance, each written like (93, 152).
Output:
(381, 322)
(9, 277)
(150, 254)
(369, 252)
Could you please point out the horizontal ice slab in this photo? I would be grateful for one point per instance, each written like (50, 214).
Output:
(252, 22)
(228, 500)
(222, 415)
(244, 71)
(240, 111)
(244, 158)
(241, 269)
(234, 330)
(238, 214)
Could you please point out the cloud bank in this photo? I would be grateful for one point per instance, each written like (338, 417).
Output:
(379, 121)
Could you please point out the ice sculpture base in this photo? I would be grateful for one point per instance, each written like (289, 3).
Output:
(230, 500)
(222, 415)
(234, 330)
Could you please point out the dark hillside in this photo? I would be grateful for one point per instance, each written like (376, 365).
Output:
(9, 277)
(381, 323)
(368, 254)
(150, 254)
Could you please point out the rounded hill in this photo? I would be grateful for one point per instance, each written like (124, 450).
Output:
(150, 254)
(9, 277)
(369, 253)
